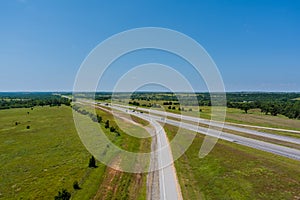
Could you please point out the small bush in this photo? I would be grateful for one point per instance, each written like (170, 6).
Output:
(63, 195)
(76, 185)
(99, 118)
(112, 129)
(92, 162)
(107, 124)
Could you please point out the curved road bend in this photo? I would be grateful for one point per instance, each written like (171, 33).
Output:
(168, 182)
(169, 188)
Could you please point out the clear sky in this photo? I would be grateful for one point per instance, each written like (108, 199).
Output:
(255, 44)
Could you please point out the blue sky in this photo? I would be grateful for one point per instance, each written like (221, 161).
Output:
(255, 44)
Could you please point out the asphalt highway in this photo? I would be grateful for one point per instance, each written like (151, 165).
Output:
(257, 144)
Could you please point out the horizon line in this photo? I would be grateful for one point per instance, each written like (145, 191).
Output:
(146, 91)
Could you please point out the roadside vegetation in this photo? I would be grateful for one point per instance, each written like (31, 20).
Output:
(116, 184)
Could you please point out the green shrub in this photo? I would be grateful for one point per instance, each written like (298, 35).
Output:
(76, 185)
(92, 162)
(63, 195)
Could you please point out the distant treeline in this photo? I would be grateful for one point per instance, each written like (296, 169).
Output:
(269, 103)
(272, 103)
(28, 100)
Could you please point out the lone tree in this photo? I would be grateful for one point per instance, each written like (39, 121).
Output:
(92, 162)
(107, 124)
(63, 195)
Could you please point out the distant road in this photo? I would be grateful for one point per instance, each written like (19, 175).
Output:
(257, 144)
(224, 125)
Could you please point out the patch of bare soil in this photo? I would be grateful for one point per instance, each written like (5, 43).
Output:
(109, 186)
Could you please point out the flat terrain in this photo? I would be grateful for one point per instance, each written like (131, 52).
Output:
(232, 171)
(37, 162)
(253, 117)
(233, 115)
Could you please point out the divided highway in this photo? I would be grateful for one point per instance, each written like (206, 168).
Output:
(254, 143)
(220, 125)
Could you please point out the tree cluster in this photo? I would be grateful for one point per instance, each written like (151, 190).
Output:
(21, 100)
(290, 109)
(134, 103)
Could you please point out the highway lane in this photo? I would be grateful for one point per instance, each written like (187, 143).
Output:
(264, 128)
(168, 182)
(264, 146)
(220, 125)
(169, 185)
(257, 144)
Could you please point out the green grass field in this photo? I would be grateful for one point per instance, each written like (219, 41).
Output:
(232, 171)
(37, 162)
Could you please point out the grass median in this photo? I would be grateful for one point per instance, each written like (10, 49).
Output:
(232, 171)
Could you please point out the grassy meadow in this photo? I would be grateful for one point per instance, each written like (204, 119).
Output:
(39, 160)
